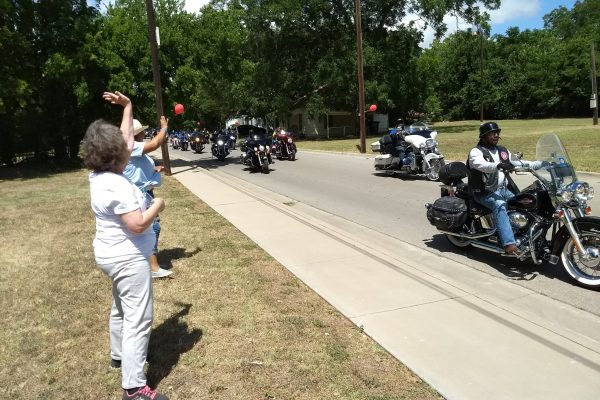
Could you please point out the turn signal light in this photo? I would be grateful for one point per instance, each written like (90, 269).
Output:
(588, 210)
(559, 214)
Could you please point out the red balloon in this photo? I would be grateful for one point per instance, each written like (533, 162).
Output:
(373, 108)
(178, 109)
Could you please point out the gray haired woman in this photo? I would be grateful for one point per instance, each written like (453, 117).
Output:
(123, 242)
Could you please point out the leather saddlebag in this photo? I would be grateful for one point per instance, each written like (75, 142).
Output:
(448, 213)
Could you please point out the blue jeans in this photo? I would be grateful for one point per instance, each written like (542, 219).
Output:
(156, 229)
(496, 201)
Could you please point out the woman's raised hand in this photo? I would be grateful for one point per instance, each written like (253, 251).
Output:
(116, 98)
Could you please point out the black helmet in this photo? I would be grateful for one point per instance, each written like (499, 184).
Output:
(488, 127)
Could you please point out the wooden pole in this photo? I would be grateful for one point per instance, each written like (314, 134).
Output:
(594, 87)
(361, 82)
(157, 83)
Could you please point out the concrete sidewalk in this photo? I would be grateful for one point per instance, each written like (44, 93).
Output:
(469, 335)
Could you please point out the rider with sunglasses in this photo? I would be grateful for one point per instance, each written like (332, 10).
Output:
(489, 182)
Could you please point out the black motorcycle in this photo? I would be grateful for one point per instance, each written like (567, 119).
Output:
(220, 146)
(284, 146)
(256, 150)
(550, 218)
(197, 142)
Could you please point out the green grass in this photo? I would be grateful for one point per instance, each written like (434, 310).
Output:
(580, 137)
(231, 324)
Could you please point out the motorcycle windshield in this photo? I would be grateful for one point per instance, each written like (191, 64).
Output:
(560, 171)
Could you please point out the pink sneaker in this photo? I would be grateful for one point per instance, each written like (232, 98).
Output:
(144, 393)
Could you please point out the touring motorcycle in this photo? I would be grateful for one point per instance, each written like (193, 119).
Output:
(284, 146)
(413, 151)
(256, 150)
(550, 218)
(220, 145)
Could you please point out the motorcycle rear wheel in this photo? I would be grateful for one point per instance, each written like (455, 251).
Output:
(457, 242)
(585, 272)
(433, 173)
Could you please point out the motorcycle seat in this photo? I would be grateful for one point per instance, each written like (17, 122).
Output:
(478, 209)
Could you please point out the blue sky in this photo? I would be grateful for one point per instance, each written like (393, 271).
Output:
(525, 14)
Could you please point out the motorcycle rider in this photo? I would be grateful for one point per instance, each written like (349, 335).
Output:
(489, 165)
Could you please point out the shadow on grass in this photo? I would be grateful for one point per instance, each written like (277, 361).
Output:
(510, 267)
(165, 257)
(168, 342)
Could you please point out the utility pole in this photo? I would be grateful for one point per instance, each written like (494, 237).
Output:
(157, 84)
(361, 82)
(594, 87)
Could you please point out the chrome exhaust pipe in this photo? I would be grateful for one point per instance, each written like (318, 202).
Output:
(470, 236)
(489, 247)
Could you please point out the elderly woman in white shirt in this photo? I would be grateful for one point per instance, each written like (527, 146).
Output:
(122, 244)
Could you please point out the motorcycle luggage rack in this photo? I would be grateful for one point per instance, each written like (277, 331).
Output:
(478, 235)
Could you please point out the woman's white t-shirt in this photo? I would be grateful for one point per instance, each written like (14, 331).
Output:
(112, 195)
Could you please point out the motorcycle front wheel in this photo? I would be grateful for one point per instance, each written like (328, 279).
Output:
(585, 272)
(265, 168)
(433, 172)
(292, 155)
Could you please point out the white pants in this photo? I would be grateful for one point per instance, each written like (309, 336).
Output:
(130, 320)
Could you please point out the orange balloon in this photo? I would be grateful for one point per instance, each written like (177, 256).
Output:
(179, 109)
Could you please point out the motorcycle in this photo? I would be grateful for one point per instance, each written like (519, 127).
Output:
(219, 147)
(414, 151)
(231, 140)
(284, 146)
(550, 218)
(184, 142)
(197, 142)
(256, 151)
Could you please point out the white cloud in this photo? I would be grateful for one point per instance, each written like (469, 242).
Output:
(193, 6)
(509, 10)
(514, 9)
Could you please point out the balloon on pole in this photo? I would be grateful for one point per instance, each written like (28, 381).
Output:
(373, 108)
(179, 109)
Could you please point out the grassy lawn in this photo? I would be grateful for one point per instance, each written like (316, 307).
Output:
(232, 324)
(580, 137)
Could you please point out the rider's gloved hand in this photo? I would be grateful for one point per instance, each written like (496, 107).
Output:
(545, 164)
(505, 166)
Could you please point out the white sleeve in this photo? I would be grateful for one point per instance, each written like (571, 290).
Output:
(476, 161)
(122, 197)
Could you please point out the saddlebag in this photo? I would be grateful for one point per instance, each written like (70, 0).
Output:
(447, 213)
(386, 161)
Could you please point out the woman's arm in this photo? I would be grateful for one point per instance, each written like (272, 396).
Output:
(159, 138)
(138, 221)
(127, 120)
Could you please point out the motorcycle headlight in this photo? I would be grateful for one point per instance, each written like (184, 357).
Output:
(590, 193)
(261, 148)
(197, 139)
(289, 140)
(565, 195)
(220, 143)
(430, 143)
(581, 190)
(256, 149)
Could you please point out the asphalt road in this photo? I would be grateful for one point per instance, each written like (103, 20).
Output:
(347, 186)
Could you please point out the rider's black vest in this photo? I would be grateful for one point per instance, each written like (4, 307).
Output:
(480, 182)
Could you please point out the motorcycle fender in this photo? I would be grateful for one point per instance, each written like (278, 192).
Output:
(563, 235)
(432, 156)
